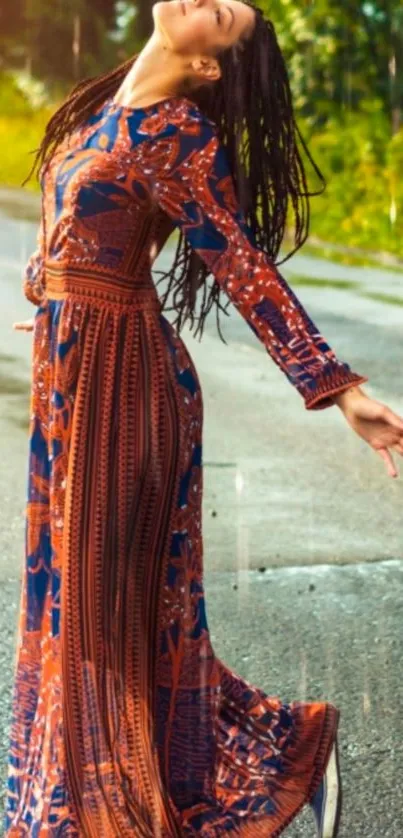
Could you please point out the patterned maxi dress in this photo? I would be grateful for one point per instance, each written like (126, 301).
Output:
(124, 720)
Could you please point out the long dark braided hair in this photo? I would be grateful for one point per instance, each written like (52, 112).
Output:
(251, 105)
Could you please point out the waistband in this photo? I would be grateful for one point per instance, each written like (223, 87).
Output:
(95, 283)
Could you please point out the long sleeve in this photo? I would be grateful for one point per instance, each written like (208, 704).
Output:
(33, 277)
(189, 178)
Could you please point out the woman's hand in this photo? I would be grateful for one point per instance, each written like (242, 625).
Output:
(374, 422)
(25, 325)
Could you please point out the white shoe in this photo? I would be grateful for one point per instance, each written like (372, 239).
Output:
(327, 800)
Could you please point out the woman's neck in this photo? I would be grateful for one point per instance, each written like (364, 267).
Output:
(153, 76)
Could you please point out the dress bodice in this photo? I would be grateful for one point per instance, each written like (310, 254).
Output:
(109, 192)
(96, 209)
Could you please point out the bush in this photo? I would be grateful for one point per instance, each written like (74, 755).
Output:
(361, 163)
(22, 126)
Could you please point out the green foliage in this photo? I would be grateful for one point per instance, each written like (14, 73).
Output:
(13, 100)
(23, 137)
(360, 161)
(21, 128)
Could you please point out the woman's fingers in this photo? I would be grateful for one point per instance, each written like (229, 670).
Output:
(387, 457)
(25, 325)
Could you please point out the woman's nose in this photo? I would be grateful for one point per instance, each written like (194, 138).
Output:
(201, 2)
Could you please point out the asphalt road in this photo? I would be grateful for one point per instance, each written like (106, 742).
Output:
(303, 528)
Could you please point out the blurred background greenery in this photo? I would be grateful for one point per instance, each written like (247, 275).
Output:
(345, 60)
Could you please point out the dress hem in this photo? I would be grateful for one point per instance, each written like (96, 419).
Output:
(262, 829)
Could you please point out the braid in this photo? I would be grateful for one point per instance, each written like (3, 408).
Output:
(260, 135)
(79, 105)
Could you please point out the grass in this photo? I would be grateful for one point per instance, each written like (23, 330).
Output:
(352, 260)
(339, 284)
(390, 299)
(7, 359)
(12, 386)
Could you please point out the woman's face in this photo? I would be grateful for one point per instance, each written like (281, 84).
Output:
(203, 26)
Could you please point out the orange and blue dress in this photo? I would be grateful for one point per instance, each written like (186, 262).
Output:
(124, 720)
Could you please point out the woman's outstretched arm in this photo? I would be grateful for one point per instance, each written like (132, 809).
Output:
(190, 179)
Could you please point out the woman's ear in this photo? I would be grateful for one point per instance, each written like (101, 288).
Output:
(208, 69)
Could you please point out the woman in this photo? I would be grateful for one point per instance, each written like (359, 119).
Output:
(125, 722)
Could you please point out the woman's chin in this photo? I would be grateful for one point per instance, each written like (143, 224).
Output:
(162, 19)
(161, 7)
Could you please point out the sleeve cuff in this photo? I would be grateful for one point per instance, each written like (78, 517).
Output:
(34, 293)
(329, 385)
